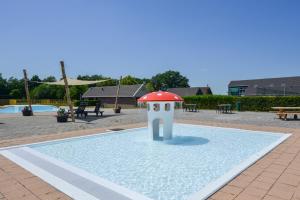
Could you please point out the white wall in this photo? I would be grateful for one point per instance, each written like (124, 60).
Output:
(166, 116)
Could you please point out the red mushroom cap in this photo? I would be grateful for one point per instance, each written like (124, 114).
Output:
(160, 96)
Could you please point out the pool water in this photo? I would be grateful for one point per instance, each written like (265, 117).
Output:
(35, 108)
(161, 170)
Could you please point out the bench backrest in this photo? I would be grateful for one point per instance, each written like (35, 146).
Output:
(97, 107)
(81, 108)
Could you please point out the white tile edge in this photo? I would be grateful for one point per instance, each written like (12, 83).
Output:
(58, 183)
(214, 186)
(103, 182)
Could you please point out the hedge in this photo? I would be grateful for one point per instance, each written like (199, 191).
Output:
(249, 103)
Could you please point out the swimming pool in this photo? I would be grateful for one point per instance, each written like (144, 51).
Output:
(193, 165)
(35, 108)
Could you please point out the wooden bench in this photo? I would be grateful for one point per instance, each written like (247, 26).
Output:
(97, 113)
(284, 112)
(190, 108)
(224, 108)
(284, 115)
(96, 110)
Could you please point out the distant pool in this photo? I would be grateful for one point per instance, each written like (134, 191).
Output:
(194, 164)
(35, 108)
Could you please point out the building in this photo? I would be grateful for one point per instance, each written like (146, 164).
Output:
(128, 94)
(191, 91)
(286, 86)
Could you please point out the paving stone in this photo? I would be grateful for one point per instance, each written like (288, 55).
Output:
(282, 191)
(55, 195)
(297, 193)
(275, 169)
(245, 196)
(253, 191)
(231, 190)
(289, 179)
(261, 185)
(222, 196)
(293, 171)
(272, 175)
(269, 197)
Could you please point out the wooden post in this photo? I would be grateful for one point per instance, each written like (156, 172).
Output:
(118, 90)
(67, 89)
(27, 90)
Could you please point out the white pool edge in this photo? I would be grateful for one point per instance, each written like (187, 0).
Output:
(214, 186)
(59, 183)
(62, 185)
(101, 181)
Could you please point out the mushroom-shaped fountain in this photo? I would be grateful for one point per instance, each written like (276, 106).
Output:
(160, 106)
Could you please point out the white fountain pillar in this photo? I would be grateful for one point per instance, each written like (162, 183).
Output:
(164, 111)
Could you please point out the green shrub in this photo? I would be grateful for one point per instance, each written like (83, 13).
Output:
(265, 103)
(250, 103)
(209, 101)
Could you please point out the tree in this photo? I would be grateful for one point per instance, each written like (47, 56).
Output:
(34, 82)
(109, 82)
(94, 77)
(169, 79)
(130, 80)
(3, 86)
(77, 91)
(49, 79)
(16, 87)
(45, 91)
(149, 87)
(16, 93)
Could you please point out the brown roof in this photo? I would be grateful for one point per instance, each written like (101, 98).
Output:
(191, 91)
(136, 91)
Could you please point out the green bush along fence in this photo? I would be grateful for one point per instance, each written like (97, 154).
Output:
(249, 103)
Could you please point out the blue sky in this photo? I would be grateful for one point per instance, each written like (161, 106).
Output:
(211, 42)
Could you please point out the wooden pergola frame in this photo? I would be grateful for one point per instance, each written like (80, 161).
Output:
(69, 101)
(27, 90)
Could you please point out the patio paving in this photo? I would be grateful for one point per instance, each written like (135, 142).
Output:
(274, 177)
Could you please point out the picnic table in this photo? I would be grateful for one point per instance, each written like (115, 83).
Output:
(190, 108)
(283, 112)
(224, 108)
